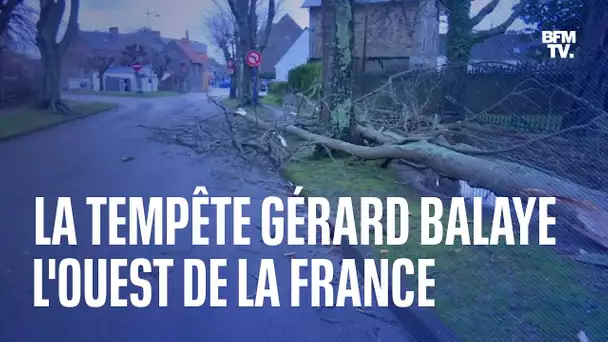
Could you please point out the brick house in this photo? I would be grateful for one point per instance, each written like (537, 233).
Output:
(187, 66)
(388, 33)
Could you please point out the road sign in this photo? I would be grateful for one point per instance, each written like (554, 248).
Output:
(136, 66)
(253, 58)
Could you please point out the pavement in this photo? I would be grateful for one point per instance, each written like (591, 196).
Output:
(114, 154)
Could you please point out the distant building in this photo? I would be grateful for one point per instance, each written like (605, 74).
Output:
(283, 35)
(186, 70)
(122, 79)
(511, 48)
(187, 66)
(296, 55)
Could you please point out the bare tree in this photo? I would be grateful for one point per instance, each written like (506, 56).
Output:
(159, 61)
(591, 77)
(462, 36)
(51, 51)
(245, 13)
(17, 24)
(338, 63)
(221, 27)
(101, 62)
(7, 10)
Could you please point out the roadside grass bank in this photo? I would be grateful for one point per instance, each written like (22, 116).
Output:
(272, 99)
(495, 293)
(124, 94)
(261, 112)
(15, 121)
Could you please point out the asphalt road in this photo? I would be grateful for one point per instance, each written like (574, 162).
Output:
(85, 158)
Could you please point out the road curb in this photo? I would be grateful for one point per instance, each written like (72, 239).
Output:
(420, 323)
(55, 124)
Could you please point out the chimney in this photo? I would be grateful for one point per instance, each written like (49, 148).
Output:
(113, 30)
(187, 36)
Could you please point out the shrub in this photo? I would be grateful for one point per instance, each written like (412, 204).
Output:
(267, 75)
(303, 77)
(278, 88)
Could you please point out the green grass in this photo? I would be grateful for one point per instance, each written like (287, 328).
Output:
(23, 119)
(262, 113)
(125, 94)
(272, 99)
(499, 293)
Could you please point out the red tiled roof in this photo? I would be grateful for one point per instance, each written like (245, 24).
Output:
(189, 51)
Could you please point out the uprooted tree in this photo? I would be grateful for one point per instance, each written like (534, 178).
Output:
(505, 162)
(53, 51)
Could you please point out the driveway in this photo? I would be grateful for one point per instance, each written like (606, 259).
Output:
(87, 158)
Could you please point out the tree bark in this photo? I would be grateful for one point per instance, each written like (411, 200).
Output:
(328, 27)
(52, 52)
(233, 84)
(591, 77)
(51, 82)
(245, 15)
(101, 81)
(6, 11)
(339, 89)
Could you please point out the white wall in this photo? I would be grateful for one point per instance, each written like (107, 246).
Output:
(295, 56)
(146, 86)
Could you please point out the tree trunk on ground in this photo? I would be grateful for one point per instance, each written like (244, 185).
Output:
(52, 52)
(585, 208)
(591, 77)
(340, 87)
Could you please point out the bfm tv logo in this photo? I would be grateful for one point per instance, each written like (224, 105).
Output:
(559, 42)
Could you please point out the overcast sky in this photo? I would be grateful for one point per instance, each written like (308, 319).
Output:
(176, 16)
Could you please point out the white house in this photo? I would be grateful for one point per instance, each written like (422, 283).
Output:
(295, 56)
(124, 79)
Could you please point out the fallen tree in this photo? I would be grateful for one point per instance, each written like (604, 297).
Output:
(586, 209)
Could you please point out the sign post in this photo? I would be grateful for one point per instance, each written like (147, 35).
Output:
(253, 59)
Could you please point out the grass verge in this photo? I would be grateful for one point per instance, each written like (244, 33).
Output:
(262, 113)
(272, 99)
(498, 293)
(24, 119)
(125, 94)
